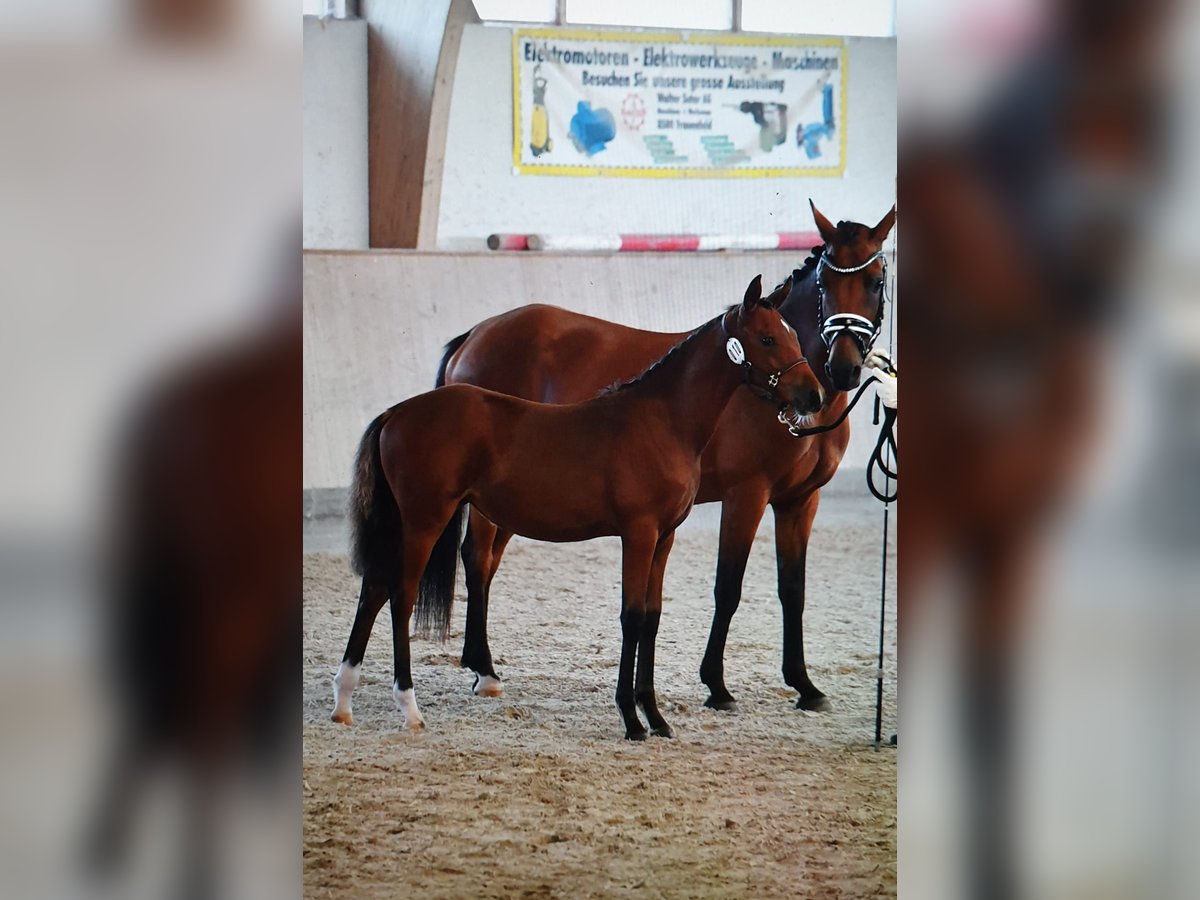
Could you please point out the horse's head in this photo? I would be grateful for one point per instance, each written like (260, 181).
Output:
(767, 346)
(850, 277)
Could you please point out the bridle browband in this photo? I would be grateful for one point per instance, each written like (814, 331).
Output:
(748, 367)
(863, 330)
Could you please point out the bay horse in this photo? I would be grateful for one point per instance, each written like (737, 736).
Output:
(835, 305)
(626, 463)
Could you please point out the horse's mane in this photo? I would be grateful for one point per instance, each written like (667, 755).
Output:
(618, 386)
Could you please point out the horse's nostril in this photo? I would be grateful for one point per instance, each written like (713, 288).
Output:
(855, 372)
(814, 399)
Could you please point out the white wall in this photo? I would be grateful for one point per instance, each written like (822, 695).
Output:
(335, 133)
(480, 195)
(375, 323)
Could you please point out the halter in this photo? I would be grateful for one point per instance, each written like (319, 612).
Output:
(747, 366)
(863, 330)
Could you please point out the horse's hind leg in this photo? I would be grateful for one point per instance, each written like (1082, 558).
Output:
(637, 552)
(417, 547)
(645, 657)
(481, 554)
(370, 601)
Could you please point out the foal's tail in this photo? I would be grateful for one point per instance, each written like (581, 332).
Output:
(375, 534)
(377, 539)
(450, 349)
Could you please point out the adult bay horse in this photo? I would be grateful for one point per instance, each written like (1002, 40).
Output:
(836, 307)
(626, 463)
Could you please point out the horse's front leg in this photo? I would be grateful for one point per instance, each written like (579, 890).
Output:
(740, 515)
(645, 657)
(481, 552)
(793, 525)
(637, 558)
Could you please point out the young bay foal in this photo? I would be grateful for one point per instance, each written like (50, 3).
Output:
(626, 463)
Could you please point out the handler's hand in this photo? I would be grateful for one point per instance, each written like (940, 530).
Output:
(886, 373)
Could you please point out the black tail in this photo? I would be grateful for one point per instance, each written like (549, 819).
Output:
(451, 347)
(435, 596)
(375, 535)
(377, 540)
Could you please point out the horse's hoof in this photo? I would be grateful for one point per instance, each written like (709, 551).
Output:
(635, 735)
(727, 704)
(342, 718)
(415, 727)
(487, 686)
(663, 731)
(819, 703)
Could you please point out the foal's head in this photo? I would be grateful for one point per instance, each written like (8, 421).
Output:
(775, 365)
(850, 284)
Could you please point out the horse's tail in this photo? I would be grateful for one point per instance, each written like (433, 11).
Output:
(435, 596)
(375, 536)
(450, 349)
(376, 543)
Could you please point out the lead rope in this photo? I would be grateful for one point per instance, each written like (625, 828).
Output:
(887, 439)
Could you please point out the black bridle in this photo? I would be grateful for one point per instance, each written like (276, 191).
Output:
(737, 354)
(864, 331)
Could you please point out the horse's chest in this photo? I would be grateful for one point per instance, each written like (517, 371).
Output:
(766, 455)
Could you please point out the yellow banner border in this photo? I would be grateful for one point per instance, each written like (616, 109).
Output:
(675, 37)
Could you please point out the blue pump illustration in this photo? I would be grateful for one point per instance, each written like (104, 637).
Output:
(592, 129)
(810, 136)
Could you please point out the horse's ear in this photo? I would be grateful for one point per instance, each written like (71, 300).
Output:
(880, 232)
(824, 226)
(779, 294)
(753, 292)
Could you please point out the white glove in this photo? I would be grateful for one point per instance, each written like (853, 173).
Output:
(887, 387)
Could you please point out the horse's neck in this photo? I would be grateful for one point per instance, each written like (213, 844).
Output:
(801, 309)
(694, 386)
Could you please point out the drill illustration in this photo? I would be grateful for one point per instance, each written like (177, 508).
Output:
(771, 119)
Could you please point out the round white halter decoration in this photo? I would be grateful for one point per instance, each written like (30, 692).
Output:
(736, 351)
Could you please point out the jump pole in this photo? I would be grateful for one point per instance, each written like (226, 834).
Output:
(653, 243)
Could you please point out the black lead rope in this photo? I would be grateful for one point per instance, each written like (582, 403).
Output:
(884, 446)
(821, 429)
(885, 443)
(884, 458)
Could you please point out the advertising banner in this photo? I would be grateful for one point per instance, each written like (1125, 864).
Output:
(645, 105)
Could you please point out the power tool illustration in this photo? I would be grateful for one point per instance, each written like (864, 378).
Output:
(592, 129)
(539, 137)
(771, 119)
(810, 136)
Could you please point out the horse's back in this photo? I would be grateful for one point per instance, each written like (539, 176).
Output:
(552, 355)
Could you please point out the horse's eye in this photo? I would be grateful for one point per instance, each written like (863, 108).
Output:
(877, 285)
(767, 341)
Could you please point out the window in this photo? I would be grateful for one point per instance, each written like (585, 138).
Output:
(714, 15)
(874, 18)
(516, 10)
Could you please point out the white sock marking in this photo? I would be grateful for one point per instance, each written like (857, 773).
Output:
(487, 686)
(344, 683)
(406, 702)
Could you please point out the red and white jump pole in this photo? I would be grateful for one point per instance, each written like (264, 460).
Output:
(641, 243)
